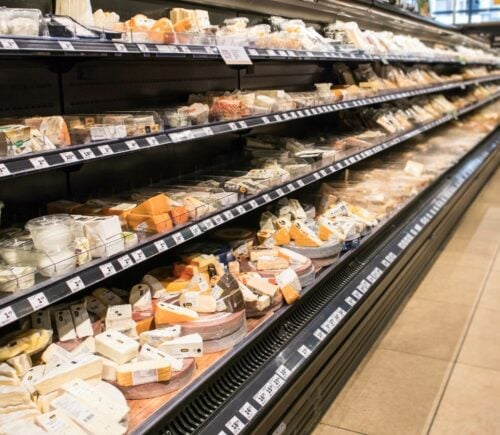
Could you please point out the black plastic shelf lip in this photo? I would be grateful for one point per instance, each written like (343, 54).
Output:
(258, 395)
(77, 154)
(48, 292)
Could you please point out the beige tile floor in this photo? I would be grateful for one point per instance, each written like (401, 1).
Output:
(436, 368)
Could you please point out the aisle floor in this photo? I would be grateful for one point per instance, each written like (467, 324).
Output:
(436, 368)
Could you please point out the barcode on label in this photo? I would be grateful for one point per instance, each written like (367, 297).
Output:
(75, 284)
(7, 315)
(125, 261)
(107, 269)
(178, 238)
(248, 411)
(319, 334)
(38, 301)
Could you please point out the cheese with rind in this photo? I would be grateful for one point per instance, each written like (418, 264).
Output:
(169, 314)
(116, 346)
(156, 337)
(188, 346)
(143, 372)
(149, 353)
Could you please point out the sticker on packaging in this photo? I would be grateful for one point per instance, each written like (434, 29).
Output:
(140, 377)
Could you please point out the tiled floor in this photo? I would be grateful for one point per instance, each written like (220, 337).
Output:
(436, 369)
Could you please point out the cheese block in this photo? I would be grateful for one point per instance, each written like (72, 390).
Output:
(203, 261)
(262, 286)
(81, 366)
(95, 306)
(53, 349)
(328, 230)
(180, 214)
(143, 372)
(14, 395)
(107, 297)
(86, 346)
(233, 267)
(57, 422)
(109, 369)
(156, 337)
(105, 236)
(7, 370)
(154, 224)
(96, 400)
(16, 408)
(298, 212)
(271, 263)
(41, 319)
(20, 363)
(65, 327)
(140, 297)
(171, 314)
(85, 417)
(304, 236)
(282, 237)
(153, 206)
(188, 346)
(258, 251)
(81, 320)
(8, 380)
(28, 342)
(228, 294)
(289, 285)
(58, 357)
(16, 424)
(263, 302)
(116, 346)
(32, 376)
(119, 317)
(143, 325)
(198, 302)
(149, 353)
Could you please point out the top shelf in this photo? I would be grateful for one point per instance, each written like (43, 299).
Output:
(92, 48)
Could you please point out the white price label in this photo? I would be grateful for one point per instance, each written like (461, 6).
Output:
(87, 153)
(143, 47)
(184, 135)
(283, 371)
(9, 44)
(271, 52)
(228, 215)
(234, 55)
(107, 269)
(208, 223)
(248, 411)
(253, 52)
(235, 425)
(283, 53)
(253, 203)
(39, 162)
(185, 49)
(357, 294)
(267, 198)
(69, 157)
(152, 141)
(286, 116)
(240, 209)
(7, 315)
(316, 176)
(280, 192)
(161, 245)
(132, 145)
(363, 286)
(243, 124)
(122, 48)
(291, 53)
(304, 351)
(350, 301)
(75, 284)
(290, 187)
(265, 119)
(308, 53)
(167, 48)
(195, 229)
(4, 170)
(208, 131)
(300, 183)
(319, 334)
(277, 117)
(233, 126)
(314, 111)
(105, 150)
(323, 173)
(125, 262)
(66, 45)
(178, 238)
(38, 301)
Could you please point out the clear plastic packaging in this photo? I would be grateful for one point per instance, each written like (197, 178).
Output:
(51, 233)
(16, 277)
(21, 22)
(17, 251)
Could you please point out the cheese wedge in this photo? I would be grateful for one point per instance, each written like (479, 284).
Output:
(171, 314)
(119, 317)
(86, 346)
(188, 346)
(180, 214)
(109, 369)
(282, 237)
(262, 286)
(203, 261)
(304, 236)
(158, 336)
(156, 205)
(289, 285)
(56, 422)
(198, 302)
(81, 320)
(271, 263)
(140, 297)
(41, 319)
(95, 306)
(258, 251)
(143, 325)
(116, 346)
(143, 372)
(149, 353)
(107, 297)
(149, 223)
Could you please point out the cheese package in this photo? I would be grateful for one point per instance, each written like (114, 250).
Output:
(81, 320)
(58, 357)
(121, 210)
(188, 346)
(65, 327)
(86, 346)
(52, 350)
(96, 400)
(107, 297)
(156, 205)
(289, 285)
(119, 317)
(149, 353)
(109, 369)
(82, 366)
(149, 223)
(271, 263)
(304, 236)
(56, 422)
(20, 363)
(143, 372)
(259, 251)
(85, 417)
(116, 346)
(105, 236)
(142, 302)
(25, 342)
(156, 337)
(169, 314)
(14, 395)
(198, 302)
(263, 287)
(95, 306)
(41, 319)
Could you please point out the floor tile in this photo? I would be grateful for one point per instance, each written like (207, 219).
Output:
(470, 253)
(428, 328)
(491, 294)
(481, 347)
(470, 405)
(394, 394)
(325, 429)
(453, 284)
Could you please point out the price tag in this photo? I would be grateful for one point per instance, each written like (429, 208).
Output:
(271, 52)
(234, 55)
(107, 269)
(357, 294)
(265, 119)
(290, 187)
(253, 52)
(253, 204)
(267, 198)
(9, 44)
(167, 48)
(350, 301)
(286, 116)
(138, 255)
(240, 209)
(122, 48)
(4, 170)
(208, 131)
(316, 176)
(228, 215)
(308, 112)
(243, 124)
(7, 315)
(308, 53)
(87, 153)
(248, 411)
(75, 284)
(178, 238)
(143, 47)
(66, 45)
(314, 111)
(125, 262)
(218, 219)
(300, 183)
(38, 301)
(277, 117)
(39, 162)
(319, 334)
(208, 224)
(185, 49)
(181, 136)
(233, 126)
(195, 229)
(235, 425)
(304, 351)
(132, 145)
(105, 150)
(69, 157)
(152, 141)
(280, 192)
(291, 53)
(161, 245)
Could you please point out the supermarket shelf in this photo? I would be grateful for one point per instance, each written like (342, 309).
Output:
(50, 291)
(96, 48)
(224, 401)
(37, 162)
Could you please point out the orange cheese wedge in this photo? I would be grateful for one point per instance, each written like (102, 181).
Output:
(155, 205)
(171, 314)
(150, 223)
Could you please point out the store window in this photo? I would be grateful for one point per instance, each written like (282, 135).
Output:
(465, 11)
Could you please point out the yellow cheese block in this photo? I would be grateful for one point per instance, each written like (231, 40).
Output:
(143, 372)
(324, 233)
(171, 314)
(290, 293)
(304, 236)
(158, 204)
(158, 223)
(203, 261)
(176, 285)
(143, 325)
(282, 237)
(264, 235)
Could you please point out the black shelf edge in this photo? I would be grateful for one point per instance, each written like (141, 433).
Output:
(28, 164)
(53, 290)
(59, 47)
